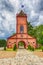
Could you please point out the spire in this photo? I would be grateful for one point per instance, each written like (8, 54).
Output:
(21, 13)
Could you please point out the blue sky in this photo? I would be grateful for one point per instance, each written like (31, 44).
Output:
(9, 9)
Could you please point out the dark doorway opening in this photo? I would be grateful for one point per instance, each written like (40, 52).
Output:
(21, 45)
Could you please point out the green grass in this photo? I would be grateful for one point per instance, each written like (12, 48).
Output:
(9, 49)
(38, 49)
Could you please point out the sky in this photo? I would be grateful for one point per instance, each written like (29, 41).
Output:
(9, 9)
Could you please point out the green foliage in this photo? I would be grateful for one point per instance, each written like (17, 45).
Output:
(30, 48)
(29, 26)
(39, 34)
(42, 48)
(36, 32)
(21, 43)
(14, 47)
(2, 42)
(5, 48)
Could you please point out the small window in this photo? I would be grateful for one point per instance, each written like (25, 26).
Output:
(21, 28)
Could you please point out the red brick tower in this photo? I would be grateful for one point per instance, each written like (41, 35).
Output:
(21, 23)
(21, 28)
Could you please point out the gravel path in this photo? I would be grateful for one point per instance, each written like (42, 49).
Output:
(23, 57)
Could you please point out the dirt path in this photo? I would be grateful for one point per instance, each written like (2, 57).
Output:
(7, 54)
(23, 57)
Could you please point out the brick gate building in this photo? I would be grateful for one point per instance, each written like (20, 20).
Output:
(21, 33)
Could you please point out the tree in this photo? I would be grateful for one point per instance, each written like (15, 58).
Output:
(36, 32)
(29, 26)
(31, 29)
(2, 42)
(39, 34)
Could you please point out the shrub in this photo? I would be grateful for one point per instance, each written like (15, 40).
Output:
(14, 48)
(30, 48)
(4, 47)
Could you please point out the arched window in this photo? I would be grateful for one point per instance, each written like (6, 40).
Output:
(21, 29)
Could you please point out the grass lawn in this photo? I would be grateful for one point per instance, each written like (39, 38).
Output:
(9, 49)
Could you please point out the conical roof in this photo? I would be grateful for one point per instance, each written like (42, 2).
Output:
(21, 13)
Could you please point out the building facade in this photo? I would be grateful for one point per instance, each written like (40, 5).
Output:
(21, 33)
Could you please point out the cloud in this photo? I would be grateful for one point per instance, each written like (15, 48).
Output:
(40, 20)
(7, 18)
(2, 34)
(34, 11)
(5, 4)
(9, 9)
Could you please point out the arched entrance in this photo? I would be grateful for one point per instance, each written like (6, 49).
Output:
(21, 44)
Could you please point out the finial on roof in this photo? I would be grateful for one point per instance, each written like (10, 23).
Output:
(21, 13)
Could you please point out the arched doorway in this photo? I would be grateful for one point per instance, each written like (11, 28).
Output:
(21, 45)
